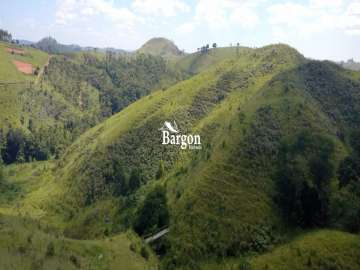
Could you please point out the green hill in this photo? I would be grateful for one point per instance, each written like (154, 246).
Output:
(50, 45)
(279, 153)
(243, 108)
(160, 47)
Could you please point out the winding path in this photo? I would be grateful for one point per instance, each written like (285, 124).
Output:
(156, 235)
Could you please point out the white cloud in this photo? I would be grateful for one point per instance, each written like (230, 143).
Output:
(326, 3)
(185, 28)
(164, 8)
(318, 16)
(222, 13)
(65, 11)
(71, 10)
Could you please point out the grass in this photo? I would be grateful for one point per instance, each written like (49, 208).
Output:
(322, 249)
(27, 244)
(31, 230)
(198, 62)
(315, 250)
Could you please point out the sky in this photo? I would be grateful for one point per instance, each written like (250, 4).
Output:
(319, 29)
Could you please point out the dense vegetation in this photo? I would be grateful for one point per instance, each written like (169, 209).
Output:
(303, 180)
(118, 80)
(72, 93)
(153, 213)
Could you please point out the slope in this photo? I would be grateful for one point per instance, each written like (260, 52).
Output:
(42, 113)
(32, 239)
(130, 140)
(27, 244)
(34, 117)
(323, 249)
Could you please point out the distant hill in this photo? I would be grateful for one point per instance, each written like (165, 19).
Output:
(162, 47)
(350, 64)
(50, 45)
(25, 42)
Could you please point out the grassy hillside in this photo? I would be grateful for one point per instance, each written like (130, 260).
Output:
(199, 104)
(243, 108)
(36, 121)
(8, 71)
(316, 250)
(42, 113)
(26, 244)
(32, 234)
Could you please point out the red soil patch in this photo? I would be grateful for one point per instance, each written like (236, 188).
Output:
(24, 67)
(15, 51)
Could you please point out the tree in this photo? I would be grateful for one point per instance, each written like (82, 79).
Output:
(354, 141)
(5, 36)
(15, 142)
(161, 170)
(1, 170)
(349, 170)
(153, 213)
(135, 180)
(119, 179)
(214, 45)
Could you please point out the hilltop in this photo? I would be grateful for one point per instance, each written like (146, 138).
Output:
(161, 47)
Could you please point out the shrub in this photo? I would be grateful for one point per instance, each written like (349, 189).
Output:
(349, 170)
(50, 250)
(75, 261)
(144, 253)
(161, 170)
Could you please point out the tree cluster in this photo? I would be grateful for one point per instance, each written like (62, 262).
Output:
(303, 177)
(153, 214)
(19, 146)
(5, 36)
(346, 201)
(206, 48)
